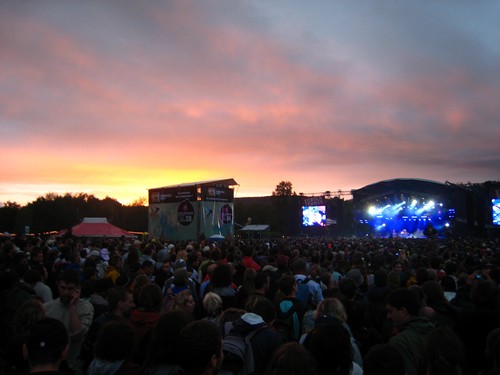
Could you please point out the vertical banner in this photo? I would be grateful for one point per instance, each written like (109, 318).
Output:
(185, 213)
(226, 214)
(218, 218)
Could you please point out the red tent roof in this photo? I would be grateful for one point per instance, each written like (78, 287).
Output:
(97, 227)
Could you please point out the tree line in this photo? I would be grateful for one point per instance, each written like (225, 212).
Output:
(54, 212)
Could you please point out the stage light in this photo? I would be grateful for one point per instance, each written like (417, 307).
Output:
(372, 210)
(447, 225)
(426, 207)
(413, 203)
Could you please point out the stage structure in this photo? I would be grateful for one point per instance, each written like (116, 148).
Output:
(192, 210)
(408, 208)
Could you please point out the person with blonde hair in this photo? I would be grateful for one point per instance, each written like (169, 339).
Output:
(212, 303)
(328, 307)
(331, 307)
(181, 254)
(184, 301)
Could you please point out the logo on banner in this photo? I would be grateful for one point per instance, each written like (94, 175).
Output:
(313, 201)
(226, 214)
(185, 213)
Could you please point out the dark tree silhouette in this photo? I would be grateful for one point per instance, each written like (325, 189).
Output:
(284, 189)
(54, 212)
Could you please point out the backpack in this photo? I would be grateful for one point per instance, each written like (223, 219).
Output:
(287, 323)
(304, 294)
(238, 354)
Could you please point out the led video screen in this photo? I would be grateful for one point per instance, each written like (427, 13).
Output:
(495, 208)
(314, 216)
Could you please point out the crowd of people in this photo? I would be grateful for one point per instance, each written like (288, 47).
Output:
(311, 306)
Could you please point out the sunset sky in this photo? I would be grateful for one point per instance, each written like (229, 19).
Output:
(112, 98)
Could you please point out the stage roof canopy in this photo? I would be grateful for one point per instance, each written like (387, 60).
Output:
(224, 182)
(401, 186)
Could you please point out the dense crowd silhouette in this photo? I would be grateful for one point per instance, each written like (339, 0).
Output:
(283, 306)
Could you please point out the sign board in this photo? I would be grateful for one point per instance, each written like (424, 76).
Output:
(172, 195)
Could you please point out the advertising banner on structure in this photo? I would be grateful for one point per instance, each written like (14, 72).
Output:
(171, 195)
(313, 201)
(190, 219)
(218, 194)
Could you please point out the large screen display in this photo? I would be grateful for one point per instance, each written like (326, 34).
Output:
(314, 216)
(495, 208)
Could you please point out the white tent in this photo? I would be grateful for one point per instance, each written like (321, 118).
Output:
(256, 230)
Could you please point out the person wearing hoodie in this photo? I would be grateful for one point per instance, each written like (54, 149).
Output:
(260, 315)
(403, 309)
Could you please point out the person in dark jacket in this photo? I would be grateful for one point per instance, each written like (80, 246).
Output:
(292, 358)
(199, 348)
(145, 316)
(221, 284)
(264, 343)
(162, 357)
(475, 324)
(444, 352)
(329, 343)
(403, 309)
(114, 350)
(289, 311)
(492, 354)
(121, 304)
(444, 312)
